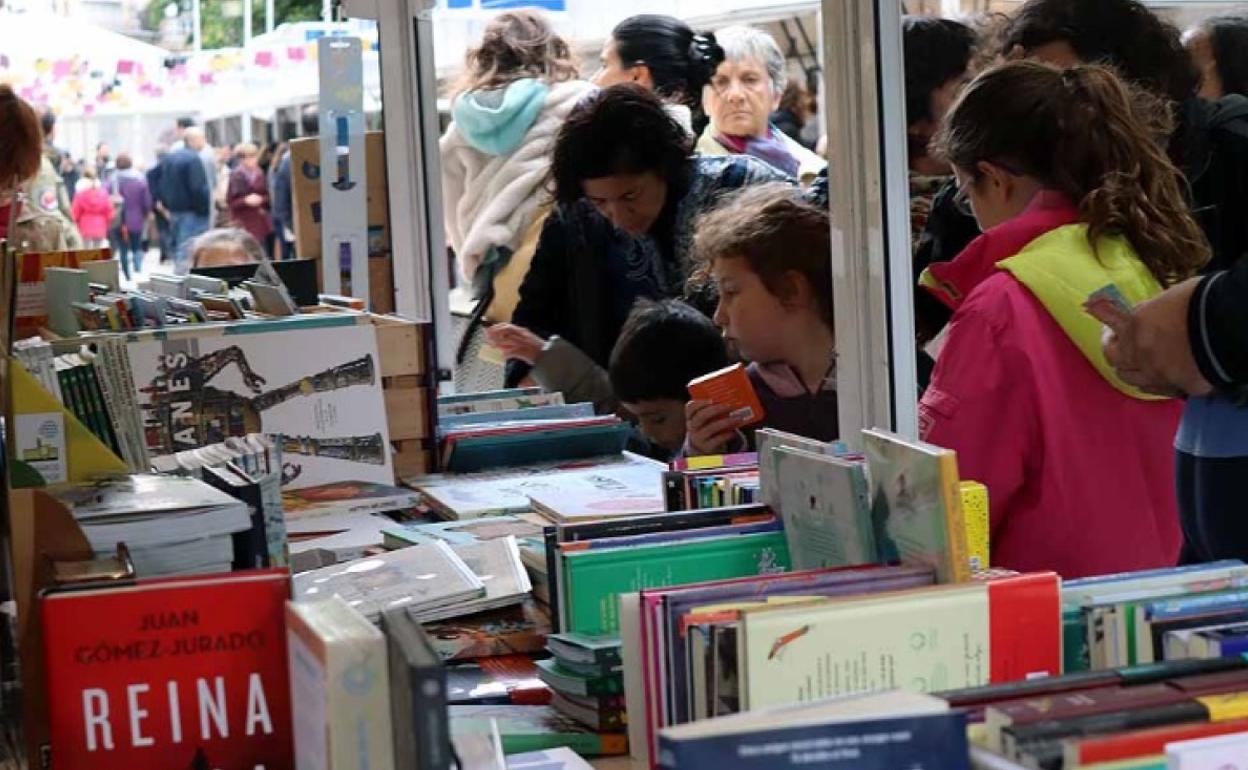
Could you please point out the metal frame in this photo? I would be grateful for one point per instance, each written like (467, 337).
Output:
(868, 193)
(413, 165)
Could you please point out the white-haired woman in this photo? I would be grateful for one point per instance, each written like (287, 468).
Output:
(740, 98)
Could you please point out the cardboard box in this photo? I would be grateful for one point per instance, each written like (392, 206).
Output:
(305, 180)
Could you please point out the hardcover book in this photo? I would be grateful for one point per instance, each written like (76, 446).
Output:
(201, 386)
(418, 697)
(170, 673)
(826, 507)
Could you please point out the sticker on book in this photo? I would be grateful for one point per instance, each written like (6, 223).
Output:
(1108, 306)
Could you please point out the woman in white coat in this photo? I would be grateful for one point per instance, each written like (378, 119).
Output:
(519, 85)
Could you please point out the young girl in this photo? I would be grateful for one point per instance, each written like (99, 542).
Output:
(767, 252)
(1064, 174)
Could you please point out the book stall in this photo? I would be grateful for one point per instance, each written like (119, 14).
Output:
(245, 533)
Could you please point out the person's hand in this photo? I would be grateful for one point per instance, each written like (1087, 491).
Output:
(710, 427)
(1151, 350)
(254, 200)
(516, 342)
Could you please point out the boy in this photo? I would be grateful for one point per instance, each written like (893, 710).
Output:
(663, 346)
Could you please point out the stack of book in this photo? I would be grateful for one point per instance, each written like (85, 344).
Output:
(1155, 615)
(1133, 716)
(586, 674)
(714, 481)
(171, 525)
(522, 426)
(434, 581)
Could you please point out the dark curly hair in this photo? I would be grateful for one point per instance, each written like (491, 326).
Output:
(21, 150)
(1125, 34)
(624, 129)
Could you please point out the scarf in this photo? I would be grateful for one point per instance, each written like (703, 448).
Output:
(770, 149)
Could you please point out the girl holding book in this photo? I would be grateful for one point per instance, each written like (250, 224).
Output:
(1065, 175)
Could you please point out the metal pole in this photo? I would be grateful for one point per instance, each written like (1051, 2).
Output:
(327, 10)
(247, 8)
(268, 15)
(197, 26)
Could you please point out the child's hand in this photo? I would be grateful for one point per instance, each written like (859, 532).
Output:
(711, 428)
(516, 342)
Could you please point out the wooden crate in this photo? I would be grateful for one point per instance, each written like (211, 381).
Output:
(402, 346)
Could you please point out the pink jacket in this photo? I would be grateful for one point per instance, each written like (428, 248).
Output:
(93, 212)
(1079, 466)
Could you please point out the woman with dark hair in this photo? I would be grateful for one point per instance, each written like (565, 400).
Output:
(1219, 49)
(938, 57)
(663, 54)
(519, 84)
(627, 193)
(1063, 172)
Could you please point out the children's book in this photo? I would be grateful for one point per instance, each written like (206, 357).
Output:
(916, 504)
(826, 508)
(730, 387)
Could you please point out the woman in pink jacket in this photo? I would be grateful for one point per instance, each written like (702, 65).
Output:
(93, 211)
(1064, 173)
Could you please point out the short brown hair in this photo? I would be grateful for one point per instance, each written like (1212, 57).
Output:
(776, 232)
(21, 151)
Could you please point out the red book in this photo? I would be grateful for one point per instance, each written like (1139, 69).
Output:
(1025, 626)
(177, 674)
(1144, 743)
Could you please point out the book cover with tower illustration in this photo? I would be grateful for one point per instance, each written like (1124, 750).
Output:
(316, 389)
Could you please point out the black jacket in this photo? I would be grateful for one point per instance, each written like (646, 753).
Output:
(1218, 329)
(184, 186)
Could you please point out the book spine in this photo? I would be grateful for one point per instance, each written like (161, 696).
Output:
(959, 567)
(1017, 740)
(103, 417)
(1025, 634)
(430, 712)
(118, 351)
(73, 397)
(674, 491)
(112, 403)
(359, 705)
(551, 542)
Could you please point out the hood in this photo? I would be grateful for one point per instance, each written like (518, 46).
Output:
(131, 173)
(1061, 270)
(495, 121)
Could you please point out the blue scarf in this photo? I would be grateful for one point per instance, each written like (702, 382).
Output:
(770, 149)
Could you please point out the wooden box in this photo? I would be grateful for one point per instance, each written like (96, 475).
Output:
(402, 346)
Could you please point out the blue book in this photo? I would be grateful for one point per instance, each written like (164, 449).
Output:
(467, 455)
(448, 422)
(883, 731)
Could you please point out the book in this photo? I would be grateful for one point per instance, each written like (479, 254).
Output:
(559, 678)
(975, 511)
(422, 578)
(522, 527)
(535, 728)
(600, 651)
(882, 731)
(521, 629)
(917, 504)
(31, 298)
(826, 508)
(340, 688)
(512, 416)
(496, 563)
(508, 679)
(347, 497)
(65, 286)
(1223, 752)
(507, 491)
(605, 713)
(924, 640)
(552, 759)
(593, 577)
(265, 543)
(623, 490)
(169, 673)
(769, 439)
(422, 737)
(730, 387)
(1109, 748)
(1219, 642)
(203, 384)
(489, 448)
(480, 750)
(497, 401)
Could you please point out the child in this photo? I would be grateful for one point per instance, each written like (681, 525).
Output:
(768, 252)
(663, 346)
(1064, 174)
(93, 211)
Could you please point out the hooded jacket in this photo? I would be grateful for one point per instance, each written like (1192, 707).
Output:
(1078, 463)
(93, 211)
(495, 156)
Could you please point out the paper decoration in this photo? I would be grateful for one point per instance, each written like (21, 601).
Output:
(125, 67)
(296, 53)
(264, 59)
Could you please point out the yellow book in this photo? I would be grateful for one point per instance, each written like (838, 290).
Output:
(975, 513)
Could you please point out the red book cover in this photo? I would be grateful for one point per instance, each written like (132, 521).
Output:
(180, 674)
(1144, 743)
(1025, 626)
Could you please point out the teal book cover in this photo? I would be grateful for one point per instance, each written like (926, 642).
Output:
(594, 578)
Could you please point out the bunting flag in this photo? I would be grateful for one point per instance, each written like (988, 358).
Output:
(125, 67)
(265, 59)
(296, 53)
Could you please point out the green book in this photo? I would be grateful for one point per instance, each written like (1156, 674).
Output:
(593, 578)
(562, 679)
(583, 650)
(64, 287)
(535, 728)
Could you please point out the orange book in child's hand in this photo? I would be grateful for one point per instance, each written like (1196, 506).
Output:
(732, 388)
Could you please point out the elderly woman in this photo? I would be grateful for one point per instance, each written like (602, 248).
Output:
(740, 98)
(225, 247)
(247, 195)
(627, 194)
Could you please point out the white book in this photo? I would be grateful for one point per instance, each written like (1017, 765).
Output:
(603, 493)
(1223, 752)
(497, 563)
(340, 688)
(634, 680)
(423, 577)
(826, 507)
(551, 759)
